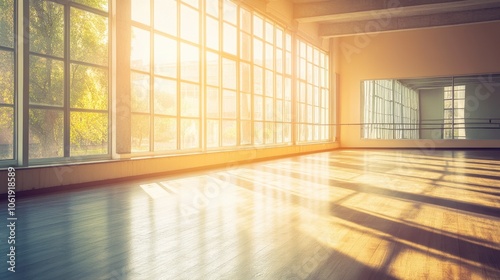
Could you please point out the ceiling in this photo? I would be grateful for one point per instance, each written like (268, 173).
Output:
(348, 17)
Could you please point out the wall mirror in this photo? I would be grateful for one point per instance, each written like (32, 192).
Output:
(465, 107)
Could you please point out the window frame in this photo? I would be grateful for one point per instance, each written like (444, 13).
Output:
(66, 108)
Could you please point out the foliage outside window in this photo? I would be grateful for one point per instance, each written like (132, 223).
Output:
(68, 79)
(7, 80)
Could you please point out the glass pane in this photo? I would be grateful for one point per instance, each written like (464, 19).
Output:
(230, 42)
(165, 51)
(140, 52)
(279, 38)
(229, 74)
(165, 13)
(7, 24)
(246, 132)
(309, 73)
(316, 97)
(140, 93)
(279, 86)
(245, 106)
(279, 133)
(460, 104)
(279, 61)
(459, 115)
(245, 20)
(316, 132)
(258, 80)
(190, 134)
(448, 93)
(165, 95)
(288, 89)
(245, 77)
(165, 134)
(229, 104)
(324, 133)
(258, 130)
(302, 92)
(257, 107)
(212, 69)
(98, 4)
(448, 104)
(140, 133)
(309, 114)
(302, 132)
(302, 113)
(46, 28)
(269, 56)
(213, 103)
(212, 133)
(459, 92)
(230, 12)
(89, 37)
(258, 26)
(46, 81)
(302, 69)
(88, 134)
(269, 109)
(89, 87)
(7, 133)
(212, 7)
(212, 33)
(46, 133)
(141, 11)
(258, 52)
(279, 110)
(190, 63)
(316, 117)
(228, 133)
(7, 77)
(269, 133)
(245, 46)
(269, 32)
(287, 132)
(288, 63)
(189, 24)
(269, 83)
(190, 100)
(288, 111)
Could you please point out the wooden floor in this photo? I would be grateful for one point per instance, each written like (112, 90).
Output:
(348, 214)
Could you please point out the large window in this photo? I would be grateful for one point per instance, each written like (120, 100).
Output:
(7, 79)
(198, 76)
(212, 74)
(312, 93)
(165, 78)
(68, 79)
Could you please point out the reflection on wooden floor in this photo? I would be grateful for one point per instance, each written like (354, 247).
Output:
(350, 214)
